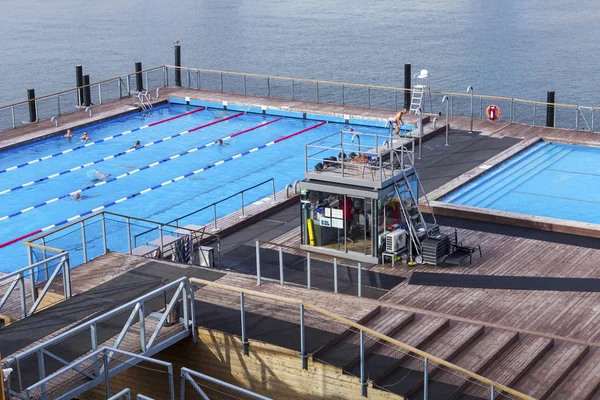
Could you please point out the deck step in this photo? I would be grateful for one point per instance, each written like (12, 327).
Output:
(383, 357)
(346, 351)
(476, 358)
(448, 346)
(513, 364)
(551, 370)
(583, 382)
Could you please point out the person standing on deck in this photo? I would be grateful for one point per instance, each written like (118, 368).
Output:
(398, 121)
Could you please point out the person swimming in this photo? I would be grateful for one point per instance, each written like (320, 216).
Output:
(85, 137)
(101, 176)
(69, 135)
(78, 197)
(137, 145)
(398, 121)
(220, 143)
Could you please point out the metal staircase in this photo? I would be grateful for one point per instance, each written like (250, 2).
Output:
(418, 92)
(418, 229)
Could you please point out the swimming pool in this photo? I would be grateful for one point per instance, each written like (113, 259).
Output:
(177, 169)
(547, 179)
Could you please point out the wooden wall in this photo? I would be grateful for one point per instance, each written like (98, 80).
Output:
(269, 370)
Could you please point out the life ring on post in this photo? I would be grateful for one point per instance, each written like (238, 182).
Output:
(493, 112)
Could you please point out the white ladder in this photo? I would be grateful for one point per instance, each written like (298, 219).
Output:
(421, 84)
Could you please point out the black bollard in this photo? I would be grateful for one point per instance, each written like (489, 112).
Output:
(87, 98)
(407, 85)
(79, 83)
(139, 84)
(32, 108)
(177, 63)
(550, 98)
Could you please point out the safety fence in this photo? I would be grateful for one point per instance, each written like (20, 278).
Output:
(74, 361)
(97, 234)
(26, 290)
(310, 329)
(209, 388)
(570, 116)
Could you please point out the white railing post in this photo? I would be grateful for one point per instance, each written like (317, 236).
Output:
(243, 322)
(104, 246)
(308, 270)
(425, 379)
(281, 265)
(128, 224)
(335, 275)
(359, 279)
(302, 338)
(83, 242)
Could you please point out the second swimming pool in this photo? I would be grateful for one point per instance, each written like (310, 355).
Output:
(547, 179)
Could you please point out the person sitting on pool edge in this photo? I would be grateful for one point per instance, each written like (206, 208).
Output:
(69, 135)
(85, 137)
(398, 121)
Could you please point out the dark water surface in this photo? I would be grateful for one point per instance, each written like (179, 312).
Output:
(511, 47)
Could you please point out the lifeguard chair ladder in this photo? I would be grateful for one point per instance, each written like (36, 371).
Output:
(421, 85)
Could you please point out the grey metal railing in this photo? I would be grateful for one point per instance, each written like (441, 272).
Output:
(176, 221)
(179, 293)
(190, 376)
(28, 276)
(96, 368)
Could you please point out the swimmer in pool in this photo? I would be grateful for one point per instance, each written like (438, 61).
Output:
(78, 197)
(101, 176)
(85, 137)
(137, 145)
(220, 115)
(398, 121)
(69, 135)
(220, 143)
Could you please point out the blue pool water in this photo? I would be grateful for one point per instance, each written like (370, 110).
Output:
(283, 160)
(547, 179)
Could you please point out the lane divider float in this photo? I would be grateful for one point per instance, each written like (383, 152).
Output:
(168, 182)
(99, 141)
(134, 171)
(89, 164)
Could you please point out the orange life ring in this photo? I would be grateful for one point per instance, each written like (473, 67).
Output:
(492, 112)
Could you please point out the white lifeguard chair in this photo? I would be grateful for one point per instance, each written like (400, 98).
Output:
(421, 85)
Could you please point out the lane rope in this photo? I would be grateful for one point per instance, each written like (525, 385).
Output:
(168, 182)
(134, 171)
(88, 144)
(89, 164)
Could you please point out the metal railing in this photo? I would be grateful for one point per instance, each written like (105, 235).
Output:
(190, 376)
(313, 317)
(337, 158)
(30, 276)
(530, 112)
(32, 366)
(347, 263)
(214, 205)
(95, 369)
(105, 231)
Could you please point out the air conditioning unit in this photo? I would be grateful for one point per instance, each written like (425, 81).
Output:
(395, 241)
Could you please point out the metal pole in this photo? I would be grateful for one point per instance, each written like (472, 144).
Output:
(293, 94)
(302, 346)
(268, 87)
(343, 96)
(359, 279)
(480, 107)
(45, 255)
(534, 114)
(369, 95)
(106, 374)
(83, 242)
(421, 132)
(243, 320)
(178, 64)
(42, 371)
(12, 110)
(492, 392)
(308, 270)
(104, 234)
(335, 275)
(258, 280)
(273, 186)
(426, 379)
(58, 103)
(244, 84)
(445, 100)
(281, 265)
(100, 93)
(160, 232)
(363, 383)
(512, 110)
(317, 92)
(215, 216)
(243, 211)
(128, 234)
(221, 82)
(470, 90)
(120, 83)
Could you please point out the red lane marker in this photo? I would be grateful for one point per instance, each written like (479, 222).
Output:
(255, 127)
(216, 122)
(177, 116)
(15, 240)
(299, 132)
